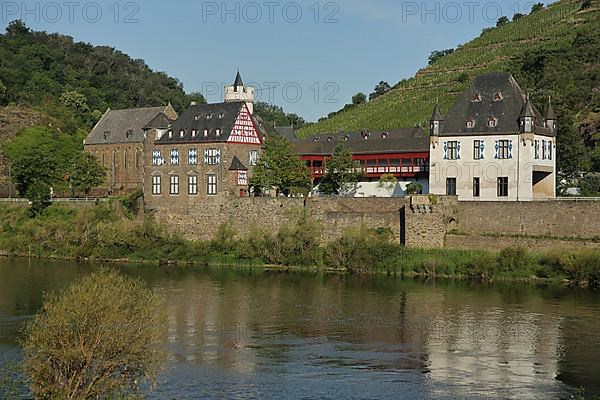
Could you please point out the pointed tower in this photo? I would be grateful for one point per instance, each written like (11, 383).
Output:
(550, 117)
(239, 92)
(527, 117)
(435, 123)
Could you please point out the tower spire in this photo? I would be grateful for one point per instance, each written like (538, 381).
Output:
(238, 80)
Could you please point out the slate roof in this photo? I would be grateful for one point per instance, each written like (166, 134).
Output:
(204, 116)
(550, 114)
(411, 140)
(238, 81)
(123, 126)
(161, 121)
(437, 114)
(506, 110)
(237, 165)
(287, 132)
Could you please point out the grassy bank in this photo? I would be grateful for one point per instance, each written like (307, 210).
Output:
(108, 232)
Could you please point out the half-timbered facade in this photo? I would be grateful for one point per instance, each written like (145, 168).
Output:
(208, 152)
(403, 153)
(494, 145)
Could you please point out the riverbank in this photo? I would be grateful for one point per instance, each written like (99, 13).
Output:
(108, 232)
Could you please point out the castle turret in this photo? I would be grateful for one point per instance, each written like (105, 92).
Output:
(527, 117)
(436, 120)
(550, 117)
(239, 92)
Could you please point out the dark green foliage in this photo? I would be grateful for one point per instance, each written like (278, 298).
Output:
(273, 114)
(85, 173)
(463, 78)
(380, 89)
(340, 178)
(436, 55)
(281, 168)
(512, 259)
(359, 98)
(590, 185)
(502, 21)
(585, 4)
(537, 7)
(70, 80)
(581, 267)
(414, 188)
(517, 16)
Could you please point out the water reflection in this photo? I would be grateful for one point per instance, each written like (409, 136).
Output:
(251, 334)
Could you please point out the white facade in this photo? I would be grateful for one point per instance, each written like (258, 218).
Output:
(530, 173)
(239, 92)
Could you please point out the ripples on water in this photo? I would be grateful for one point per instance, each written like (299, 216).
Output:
(241, 334)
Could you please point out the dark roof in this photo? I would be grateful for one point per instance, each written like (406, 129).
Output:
(123, 126)
(437, 114)
(238, 81)
(287, 132)
(527, 110)
(550, 114)
(236, 165)
(412, 140)
(501, 97)
(204, 116)
(161, 121)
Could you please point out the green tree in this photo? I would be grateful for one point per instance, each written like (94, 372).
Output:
(414, 188)
(437, 54)
(2, 92)
(101, 338)
(388, 182)
(86, 173)
(280, 167)
(75, 101)
(359, 98)
(380, 89)
(502, 21)
(517, 16)
(340, 178)
(537, 7)
(590, 185)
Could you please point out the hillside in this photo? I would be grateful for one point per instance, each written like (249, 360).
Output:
(76, 82)
(552, 52)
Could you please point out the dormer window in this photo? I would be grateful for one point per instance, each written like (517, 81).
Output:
(346, 137)
(170, 134)
(209, 116)
(218, 132)
(492, 122)
(384, 135)
(196, 117)
(221, 115)
(316, 139)
(329, 138)
(470, 123)
(498, 96)
(181, 133)
(205, 132)
(476, 98)
(129, 133)
(193, 133)
(106, 135)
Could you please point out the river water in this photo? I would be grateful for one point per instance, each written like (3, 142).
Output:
(239, 333)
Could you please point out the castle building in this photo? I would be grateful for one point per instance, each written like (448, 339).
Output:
(118, 141)
(403, 153)
(238, 92)
(208, 152)
(493, 145)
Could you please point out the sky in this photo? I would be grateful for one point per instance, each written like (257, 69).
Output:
(308, 56)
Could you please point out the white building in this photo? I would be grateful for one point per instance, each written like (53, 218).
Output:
(238, 92)
(494, 145)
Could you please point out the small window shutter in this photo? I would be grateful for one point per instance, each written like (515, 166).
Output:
(481, 149)
(206, 156)
(445, 150)
(458, 147)
(218, 155)
(497, 148)
(510, 148)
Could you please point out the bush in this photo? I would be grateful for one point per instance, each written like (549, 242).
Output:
(101, 338)
(512, 259)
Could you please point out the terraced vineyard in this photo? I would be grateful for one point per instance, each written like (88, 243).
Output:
(411, 101)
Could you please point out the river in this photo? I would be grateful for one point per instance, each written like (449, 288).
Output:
(240, 333)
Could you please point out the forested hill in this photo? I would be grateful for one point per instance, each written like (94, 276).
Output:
(76, 82)
(554, 51)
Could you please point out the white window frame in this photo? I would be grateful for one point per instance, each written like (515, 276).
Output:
(174, 185)
(253, 158)
(242, 178)
(192, 159)
(453, 150)
(211, 185)
(213, 156)
(192, 185)
(156, 185)
(504, 150)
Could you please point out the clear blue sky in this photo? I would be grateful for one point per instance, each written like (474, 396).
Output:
(346, 47)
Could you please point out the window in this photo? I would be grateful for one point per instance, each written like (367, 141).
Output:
(156, 158)
(476, 187)
(537, 150)
(492, 122)
(218, 132)
(194, 133)
(192, 185)
(452, 150)
(498, 96)
(476, 98)
(129, 133)
(209, 116)
(125, 159)
(174, 157)
(242, 178)
(156, 184)
(470, 123)
(503, 187)
(544, 150)
(174, 185)
(253, 157)
(170, 134)
(549, 149)
(193, 157)
(478, 149)
(181, 133)
(451, 186)
(211, 186)
(212, 156)
(504, 149)
(205, 132)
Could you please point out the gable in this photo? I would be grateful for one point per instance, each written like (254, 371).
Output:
(244, 131)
